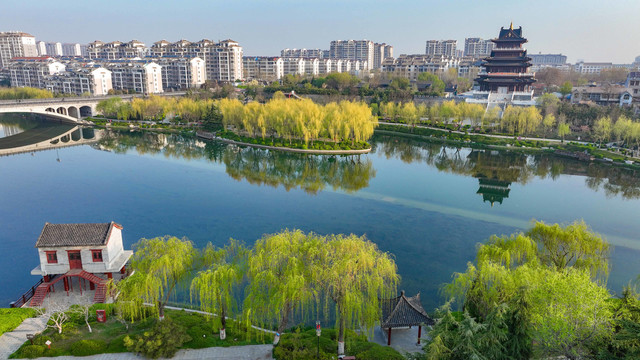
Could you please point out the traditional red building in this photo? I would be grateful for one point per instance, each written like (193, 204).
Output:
(89, 252)
(507, 69)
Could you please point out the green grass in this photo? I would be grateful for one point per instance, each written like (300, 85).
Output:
(112, 334)
(295, 143)
(303, 344)
(11, 318)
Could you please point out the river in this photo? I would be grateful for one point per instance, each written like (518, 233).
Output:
(425, 203)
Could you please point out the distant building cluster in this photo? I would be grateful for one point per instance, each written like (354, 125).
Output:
(100, 67)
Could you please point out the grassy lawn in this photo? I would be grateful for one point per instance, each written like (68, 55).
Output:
(109, 337)
(303, 344)
(11, 318)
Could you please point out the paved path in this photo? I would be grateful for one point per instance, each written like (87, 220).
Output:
(11, 341)
(248, 352)
(403, 340)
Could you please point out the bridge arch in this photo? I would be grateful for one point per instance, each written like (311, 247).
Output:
(65, 138)
(76, 135)
(50, 109)
(73, 112)
(86, 111)
(62, 110)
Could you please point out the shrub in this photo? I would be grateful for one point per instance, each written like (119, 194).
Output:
(88, 347)
(379, 352)
(32, 351)
(11, 318)
(163, 340)
(41, 340)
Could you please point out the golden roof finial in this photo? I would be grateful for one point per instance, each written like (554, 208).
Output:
(511, 26)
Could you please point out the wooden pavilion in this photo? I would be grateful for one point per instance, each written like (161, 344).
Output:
(402, 312)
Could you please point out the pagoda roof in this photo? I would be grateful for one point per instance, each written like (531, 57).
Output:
(403, 311)
(56, 235)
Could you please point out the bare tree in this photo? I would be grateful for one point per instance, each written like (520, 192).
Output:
(57, 316)
(83, 310)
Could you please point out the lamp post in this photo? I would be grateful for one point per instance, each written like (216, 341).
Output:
(318, 331)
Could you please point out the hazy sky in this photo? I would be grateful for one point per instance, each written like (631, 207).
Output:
(593, 30)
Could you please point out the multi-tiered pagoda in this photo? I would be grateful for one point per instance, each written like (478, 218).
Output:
(506, 70)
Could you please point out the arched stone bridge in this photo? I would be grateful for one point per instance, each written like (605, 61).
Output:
(69, 110)
(48, 137)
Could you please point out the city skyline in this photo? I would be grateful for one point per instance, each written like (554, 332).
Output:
(588, 30)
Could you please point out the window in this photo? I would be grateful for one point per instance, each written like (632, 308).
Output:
(52, 257)
(96, 255)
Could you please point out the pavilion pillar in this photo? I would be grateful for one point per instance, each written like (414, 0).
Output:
(66, 284)
(45, 278)
(419, 333)
(389, 338)
(92, 286)
(109, 275)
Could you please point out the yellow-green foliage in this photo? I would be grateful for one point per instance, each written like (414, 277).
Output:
(155, 108)
(24, 93)
(300, 119)
(160, 264)
(11, 318)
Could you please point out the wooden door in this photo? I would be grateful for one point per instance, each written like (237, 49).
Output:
(75, 261)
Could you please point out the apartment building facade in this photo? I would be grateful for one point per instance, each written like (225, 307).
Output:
(81, 80)
(362, 50)
(477, 47)
(16, 44)
(441, 47)
(140, 76)
(263, 68)
(182, 73)
(32, 71)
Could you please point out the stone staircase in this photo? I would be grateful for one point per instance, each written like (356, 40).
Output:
(100, 283)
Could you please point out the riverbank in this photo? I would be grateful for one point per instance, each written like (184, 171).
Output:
(579, 150)
(210, 136)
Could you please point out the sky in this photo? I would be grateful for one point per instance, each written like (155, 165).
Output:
(591, 30)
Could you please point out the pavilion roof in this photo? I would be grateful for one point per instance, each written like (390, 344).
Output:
(56, 235)
(403, 311)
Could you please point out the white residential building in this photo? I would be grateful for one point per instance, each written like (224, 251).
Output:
(54, 49)
(94, 248)
(410, 66)
(31, 72)
(441, 47)
(304, 53)
(263, 68)
(182, 73)
(293, 66)
(223, 60)
(80, 80)
(591, 67)
(381, 52)
(16, 44)
(362, 50)
(477, 47)
(139, 76)
(116, 50)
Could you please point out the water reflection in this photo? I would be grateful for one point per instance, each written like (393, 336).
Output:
(257, 166)
(497, 170)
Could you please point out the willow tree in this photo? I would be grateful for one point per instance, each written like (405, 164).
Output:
(280, 277)
(354, 276)
(573, 245)
(214, 286)
(160, 264)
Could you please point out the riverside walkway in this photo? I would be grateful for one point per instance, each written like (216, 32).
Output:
(11, 341)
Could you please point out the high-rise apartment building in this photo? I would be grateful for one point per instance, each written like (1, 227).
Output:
(381, 52)
(263, 68)
(441, 47)
(140, 76)
(69, 49)
(180, 73)
(116, 50)
(477, 47)
(80, 80)
(362, 50)
(31, 71)
(54, 49)
(223, 60)
(16, 44)
(304, 53)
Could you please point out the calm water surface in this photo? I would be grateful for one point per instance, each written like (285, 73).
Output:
(426, 204)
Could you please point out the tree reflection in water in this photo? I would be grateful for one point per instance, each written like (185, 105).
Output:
(311, 173)
(506, 167)
(494, 169)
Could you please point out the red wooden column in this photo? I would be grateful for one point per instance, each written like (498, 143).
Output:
(389, 338)
(419, 333)
(109, 275)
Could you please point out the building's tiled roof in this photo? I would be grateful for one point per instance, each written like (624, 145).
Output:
(54, 235)
(403, 311)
